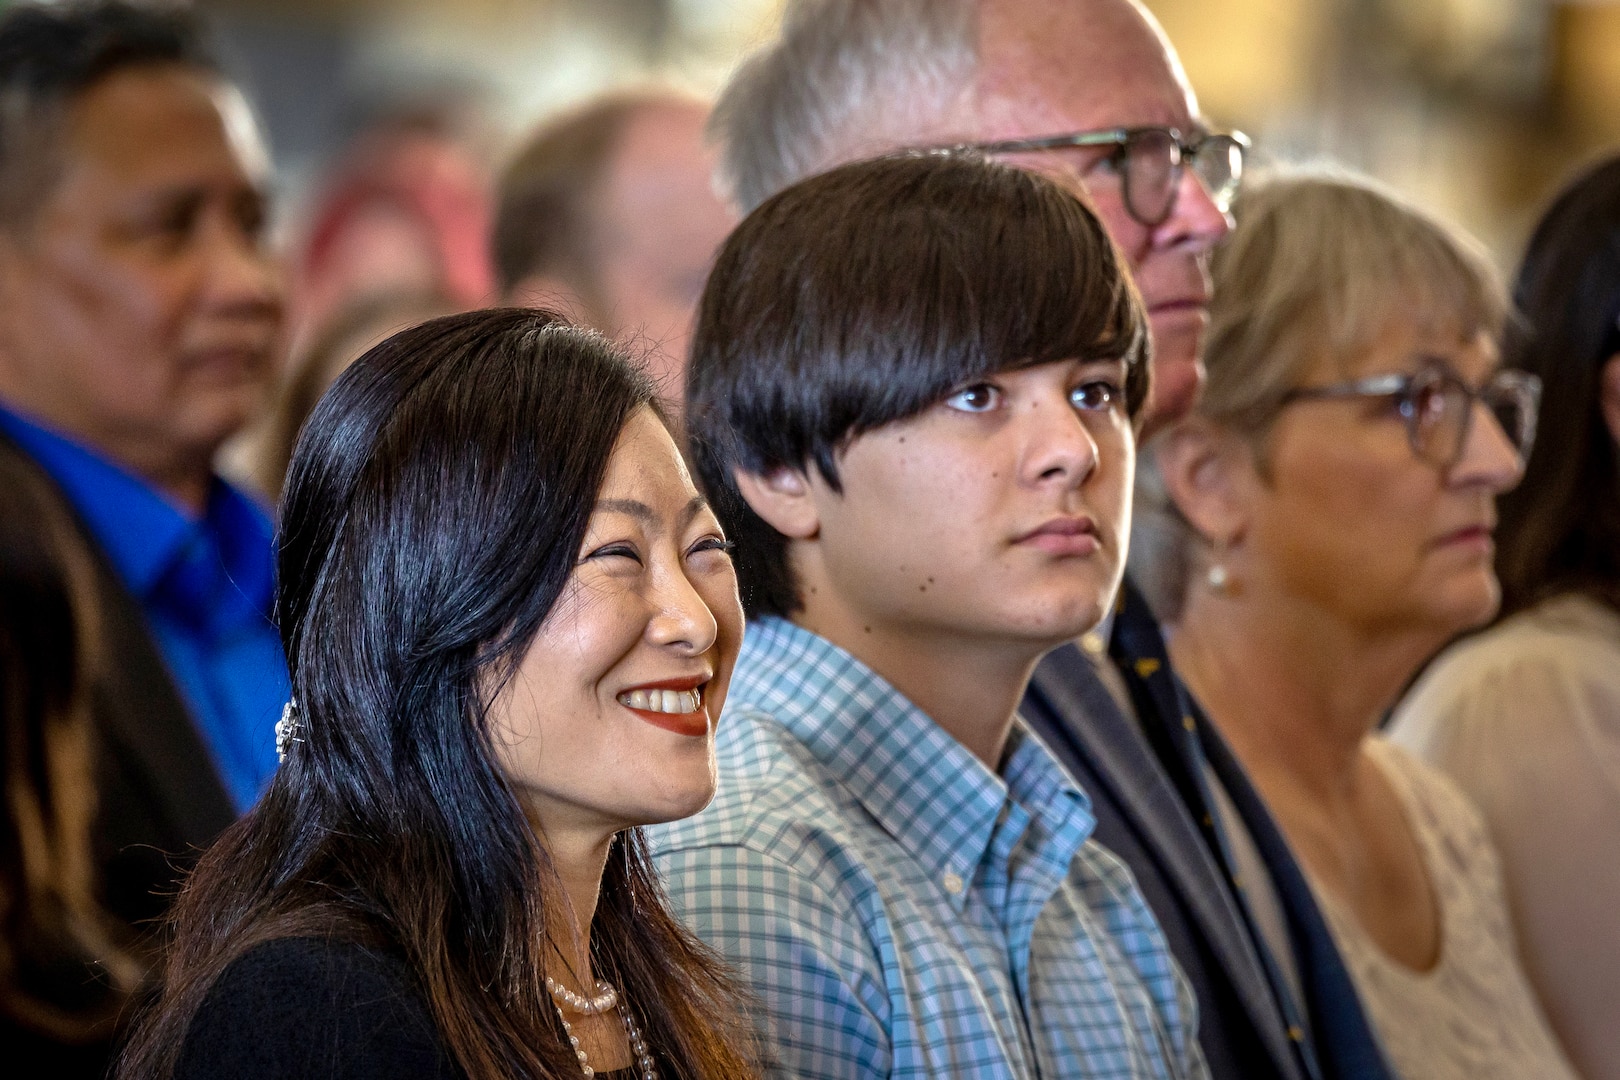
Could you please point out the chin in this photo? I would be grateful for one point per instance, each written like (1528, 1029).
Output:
(1470, 605)
(677, 806)
(1049, 626)
(1483, 610)
(1178, 381)
(679, 793)
(210, 424)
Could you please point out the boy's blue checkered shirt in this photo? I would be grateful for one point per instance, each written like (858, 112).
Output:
(902, 911)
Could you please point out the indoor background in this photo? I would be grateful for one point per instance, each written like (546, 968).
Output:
(1474, 107)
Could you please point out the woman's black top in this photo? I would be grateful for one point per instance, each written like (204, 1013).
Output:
(307, 1008)
(318, 1009)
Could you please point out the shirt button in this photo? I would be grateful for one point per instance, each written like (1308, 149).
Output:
(1093, 643)
(953, 883)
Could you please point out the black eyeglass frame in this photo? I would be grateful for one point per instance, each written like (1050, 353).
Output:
(1520, 388)
(1120, 138)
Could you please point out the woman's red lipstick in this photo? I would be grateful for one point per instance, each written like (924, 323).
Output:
(654, 701)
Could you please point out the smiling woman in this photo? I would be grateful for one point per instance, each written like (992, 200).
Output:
(608, 720)
(511, 622)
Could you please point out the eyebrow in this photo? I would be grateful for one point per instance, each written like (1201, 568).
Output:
(1427, 360)
(642, 512)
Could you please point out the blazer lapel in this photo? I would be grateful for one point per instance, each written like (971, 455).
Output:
(1348, 1047)
(1121, 759)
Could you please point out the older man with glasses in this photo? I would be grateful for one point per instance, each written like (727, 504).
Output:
(1091, 92)
(1150, 162)
(1144, 172)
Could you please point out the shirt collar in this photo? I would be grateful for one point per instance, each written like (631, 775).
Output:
(141, 531)
(923, 787)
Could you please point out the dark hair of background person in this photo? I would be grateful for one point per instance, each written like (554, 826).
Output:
(1560, 528)
(64, 975)
(866, 294)
(433, 514)
(547, 198)
(52, 53)
(351, 331)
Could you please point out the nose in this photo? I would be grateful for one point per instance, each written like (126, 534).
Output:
(1195, 223)
(681, 618)
(238, 274)
(1059, 447)
(1489, 459)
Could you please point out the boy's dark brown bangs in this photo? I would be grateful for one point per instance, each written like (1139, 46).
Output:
(956, 284)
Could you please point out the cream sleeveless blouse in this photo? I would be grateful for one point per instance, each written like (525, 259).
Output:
(1473, 1015)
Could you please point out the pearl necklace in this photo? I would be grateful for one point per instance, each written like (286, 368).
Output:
(606, 998)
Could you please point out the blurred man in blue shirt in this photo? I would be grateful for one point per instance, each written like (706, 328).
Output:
(139, 316)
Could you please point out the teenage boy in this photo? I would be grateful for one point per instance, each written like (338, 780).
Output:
(911, 399)
(1091, 90)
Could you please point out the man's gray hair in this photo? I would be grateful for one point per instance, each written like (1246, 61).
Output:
(844, 80)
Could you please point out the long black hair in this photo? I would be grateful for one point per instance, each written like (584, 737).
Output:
(1560, 528)
(433, 513)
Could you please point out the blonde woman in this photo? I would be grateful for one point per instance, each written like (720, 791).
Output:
(1319, 528)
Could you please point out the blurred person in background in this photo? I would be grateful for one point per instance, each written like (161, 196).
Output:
(406, 210)
(397, 234)
(1091, 93)
(66, 970)
(511, 622)
(349, 332)
(1323, 528)
(139, 320)
(608, 212)
(1525, 717)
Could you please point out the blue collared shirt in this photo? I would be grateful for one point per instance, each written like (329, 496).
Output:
(903, 911)
(205, 586)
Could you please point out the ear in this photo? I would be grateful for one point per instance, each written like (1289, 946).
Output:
(782, 497)
(556, 294)
(1609, 395)
(1207, 473)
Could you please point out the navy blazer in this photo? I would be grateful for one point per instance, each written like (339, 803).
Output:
(1146, 790)
(1344, 1041)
